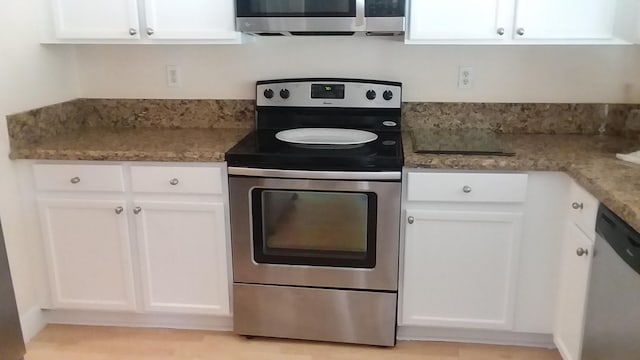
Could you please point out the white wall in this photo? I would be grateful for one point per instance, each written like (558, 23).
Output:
(502, 73)
(32, 76)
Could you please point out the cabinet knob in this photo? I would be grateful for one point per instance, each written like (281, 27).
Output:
(520, 31)
(577, 206)
(411, 219)
(75, 180)
(150, 31)
(137, 210)
(119, 210)
(500, 31)
(133, 32)
(174, 182)
(467, 189)
(582, 252)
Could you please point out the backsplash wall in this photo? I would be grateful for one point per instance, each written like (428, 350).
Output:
(503, 74)
(38, 124)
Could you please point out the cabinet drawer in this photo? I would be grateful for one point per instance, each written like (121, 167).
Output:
(179, 180)
(467, 187)
(59, 177)
(583, 209)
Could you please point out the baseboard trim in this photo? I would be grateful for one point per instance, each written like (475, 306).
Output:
(122, 319)
(32, 322)
(494, 337)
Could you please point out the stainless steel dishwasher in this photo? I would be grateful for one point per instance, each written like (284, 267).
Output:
(612, 325)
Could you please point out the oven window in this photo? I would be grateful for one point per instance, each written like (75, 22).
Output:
(317, 228)
(296, 8)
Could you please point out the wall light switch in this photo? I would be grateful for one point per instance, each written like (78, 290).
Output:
(174, 76)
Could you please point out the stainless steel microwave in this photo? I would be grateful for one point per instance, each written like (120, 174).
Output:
(325, 17)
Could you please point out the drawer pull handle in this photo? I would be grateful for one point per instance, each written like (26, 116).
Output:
(411, 219)
(137, 210)
(75, 180)
(119, 210)
(582, 252)
(174, 182)
(577, 206)
(467, 189)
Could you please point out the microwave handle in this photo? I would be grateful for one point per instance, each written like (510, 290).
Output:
(360, 11)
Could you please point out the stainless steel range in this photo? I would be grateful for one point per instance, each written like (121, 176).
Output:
(315, 204)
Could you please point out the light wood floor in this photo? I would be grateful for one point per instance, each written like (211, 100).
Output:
(58, 342)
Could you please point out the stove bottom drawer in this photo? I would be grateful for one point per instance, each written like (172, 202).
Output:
(360, 317)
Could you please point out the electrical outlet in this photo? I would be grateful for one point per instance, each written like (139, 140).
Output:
(465, 77)
(174, 76)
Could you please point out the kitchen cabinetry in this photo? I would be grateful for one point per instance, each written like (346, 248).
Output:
(89, 253)
(182, 256)
(521, 21)
(575, 268)
(479, 255)
(461, 248)
(138, 21)
(460, 268)
(562, 19)
(169, 222)
(460, 19)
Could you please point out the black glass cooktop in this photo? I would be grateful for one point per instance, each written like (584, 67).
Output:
(261, 149)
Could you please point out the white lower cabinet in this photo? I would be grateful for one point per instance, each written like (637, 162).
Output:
(89, 253)
(575, 270)
(183, 256)
(460, 268)
(102, 246)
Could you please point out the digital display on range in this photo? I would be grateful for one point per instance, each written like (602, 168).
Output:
(327, 91)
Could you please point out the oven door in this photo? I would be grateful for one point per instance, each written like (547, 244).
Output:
(300, 15)
(319, 233)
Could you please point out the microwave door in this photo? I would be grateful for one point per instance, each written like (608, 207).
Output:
(297, 8)
(300, 17)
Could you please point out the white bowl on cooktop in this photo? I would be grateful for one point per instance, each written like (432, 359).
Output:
(326, 136)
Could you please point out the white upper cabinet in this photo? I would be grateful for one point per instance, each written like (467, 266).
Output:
(190, 19)
(563, 19)
(522, 21)
(96, 19)
(139, 21)
(479, 20)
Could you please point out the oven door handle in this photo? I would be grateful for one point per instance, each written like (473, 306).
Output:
(321, 175)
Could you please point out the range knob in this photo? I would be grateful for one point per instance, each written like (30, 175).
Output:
(371, 95)
(387, 95)
(268, 94)
(284, 93)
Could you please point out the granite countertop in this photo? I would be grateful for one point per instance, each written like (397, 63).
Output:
(589, 160)
(142, 144)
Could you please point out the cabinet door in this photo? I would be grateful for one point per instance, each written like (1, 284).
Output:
(190, 19)
(460, 19)
(460, 268)
(565, 19)
(183, 255)
(572, 293)
(88, 253)
(96, 19)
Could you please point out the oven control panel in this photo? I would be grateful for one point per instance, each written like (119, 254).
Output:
(328, 92)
